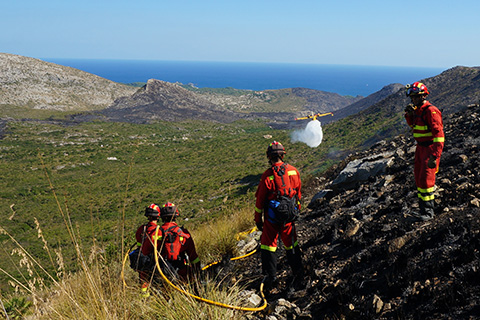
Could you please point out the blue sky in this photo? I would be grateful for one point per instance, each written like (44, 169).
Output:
(424, 33)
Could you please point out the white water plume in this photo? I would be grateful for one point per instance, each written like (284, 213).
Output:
(312, 135)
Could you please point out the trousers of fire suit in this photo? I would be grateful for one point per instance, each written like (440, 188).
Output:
(269, 245)
(425, 179)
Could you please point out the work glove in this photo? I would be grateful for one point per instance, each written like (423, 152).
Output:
(259, 225)
(432, 162)
(410, 108)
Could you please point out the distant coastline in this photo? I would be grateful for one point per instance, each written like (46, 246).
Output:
(342, 79)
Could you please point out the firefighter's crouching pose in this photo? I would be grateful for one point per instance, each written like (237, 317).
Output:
(177, 245)
(174, 244)
(280, 179)
(426, 121)
(143, 261)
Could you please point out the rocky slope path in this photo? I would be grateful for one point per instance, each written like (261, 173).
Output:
(366, 258)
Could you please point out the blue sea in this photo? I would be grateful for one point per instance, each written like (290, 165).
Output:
(342, 79)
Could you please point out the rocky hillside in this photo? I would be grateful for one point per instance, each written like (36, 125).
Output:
(450, 91)
(321, 101)
(36, 84)
(365, 255)
(160, 100)
(281, 100)
(365, 103)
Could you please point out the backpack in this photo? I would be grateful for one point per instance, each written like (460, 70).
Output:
(284, 208)
(173, 239)
(139, 261)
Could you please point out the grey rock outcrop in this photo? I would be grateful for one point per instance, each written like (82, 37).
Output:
(360, 170)
(36, 84)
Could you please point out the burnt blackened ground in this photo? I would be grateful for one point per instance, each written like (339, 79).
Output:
(367, 259)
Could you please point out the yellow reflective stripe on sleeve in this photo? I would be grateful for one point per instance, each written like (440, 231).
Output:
(428, 190)
(271, 177)
(195, 261)
(258, 210)
(426, 198)
(420, 127)
(421, 135)
(265, 247)
(439, 139)
(292, 173)
(291, 247)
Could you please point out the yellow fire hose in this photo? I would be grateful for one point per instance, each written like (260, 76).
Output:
(123, 266)
(238, 237)
(211, 302)
(231, 259)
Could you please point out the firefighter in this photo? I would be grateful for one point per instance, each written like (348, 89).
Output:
(426, 122)
(177, 245)
(144, 239)
(267, 192)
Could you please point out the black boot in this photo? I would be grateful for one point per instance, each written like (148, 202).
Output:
(294, 258)
(426, 210)
(269, 270)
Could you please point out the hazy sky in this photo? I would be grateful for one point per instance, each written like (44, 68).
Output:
(429, 33)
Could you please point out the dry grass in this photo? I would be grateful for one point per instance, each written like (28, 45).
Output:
(218, 238)
(97, 291)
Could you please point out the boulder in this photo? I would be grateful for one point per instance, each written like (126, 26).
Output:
(360, 170)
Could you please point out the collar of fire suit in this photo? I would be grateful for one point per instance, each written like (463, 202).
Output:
(424, 105)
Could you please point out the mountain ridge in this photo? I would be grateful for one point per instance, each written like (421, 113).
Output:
(365, 103)
(36, 84)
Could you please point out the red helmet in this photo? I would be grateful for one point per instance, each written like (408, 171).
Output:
(152, 210)
(169, 210)
(417, 88)
(275, 148)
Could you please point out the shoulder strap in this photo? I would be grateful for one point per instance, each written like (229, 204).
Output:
(175, 229)
(280, 171)
(171, 228)
(423, 114)
(144, 233)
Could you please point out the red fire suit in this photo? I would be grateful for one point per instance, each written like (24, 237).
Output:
(267, 190)
(426, 122)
